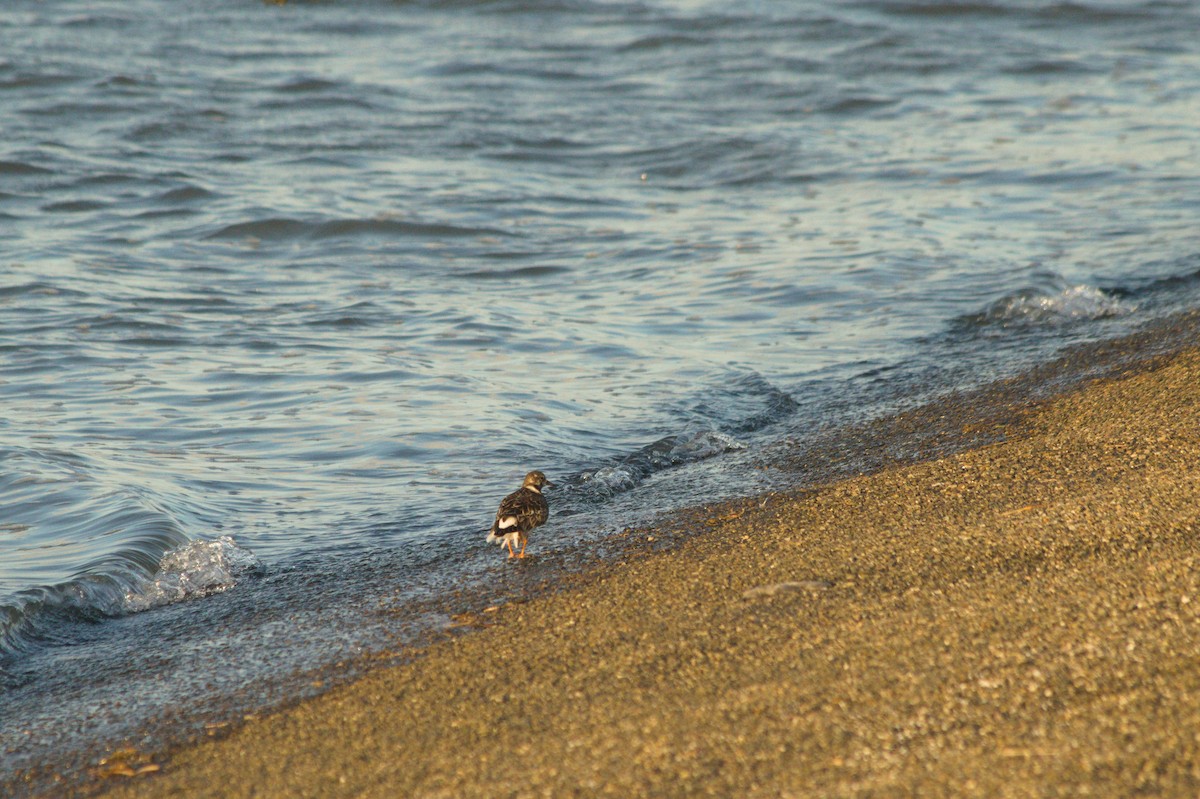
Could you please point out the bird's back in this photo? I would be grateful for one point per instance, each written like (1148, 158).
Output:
(528, 507)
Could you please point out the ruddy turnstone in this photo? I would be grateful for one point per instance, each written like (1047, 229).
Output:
(520, 512)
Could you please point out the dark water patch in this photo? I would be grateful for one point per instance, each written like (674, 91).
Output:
(1068, 12)
(128, 321)
(850, 106)
(399, 229)
(265, 229)
(1105, 12)
(460, 68)
(73, 206)
(123, 82)
(98, 21)
(489, 73)
(551, 148)
(40, 288)
(521, 7)
(186, 194)
(1049, 67)
(699, 164)
(285, 229)
(666, 41)
(37, 80)
(348, 319)
(939, 8)
(211, 300)
(167, 213)
(1073, 178)
(156, 342)
(306, 85)
(605, 352)
(520, 273)
(179, 124)
(323, 161)
(315, 104)
(104, 180)
(80, 108)
(22, 168)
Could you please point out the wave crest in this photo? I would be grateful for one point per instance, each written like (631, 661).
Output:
(35, 616)
(1031, 307)
(197, 569)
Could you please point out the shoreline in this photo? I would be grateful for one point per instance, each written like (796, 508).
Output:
(1009, 619)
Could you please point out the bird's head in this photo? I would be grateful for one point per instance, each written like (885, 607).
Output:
(536, 481)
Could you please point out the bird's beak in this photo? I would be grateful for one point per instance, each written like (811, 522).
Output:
(548, 484)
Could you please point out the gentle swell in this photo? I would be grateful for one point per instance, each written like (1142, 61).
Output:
(742, 404)
(633, 469)
(282, 228)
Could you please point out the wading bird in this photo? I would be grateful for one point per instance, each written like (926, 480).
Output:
(520, 512)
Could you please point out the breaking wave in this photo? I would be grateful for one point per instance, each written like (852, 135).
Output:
(197, 569)
(119, 587)
(1035, 307)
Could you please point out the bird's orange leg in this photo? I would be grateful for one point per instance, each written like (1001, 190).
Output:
(508, 543)
(524, 541)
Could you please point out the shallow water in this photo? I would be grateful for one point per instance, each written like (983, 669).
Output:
(291, 295)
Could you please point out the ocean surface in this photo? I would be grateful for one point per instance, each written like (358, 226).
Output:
(291, 295)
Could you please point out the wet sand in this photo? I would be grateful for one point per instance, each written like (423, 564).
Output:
(1021, 619)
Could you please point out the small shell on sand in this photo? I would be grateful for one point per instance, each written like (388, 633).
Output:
(767, 591)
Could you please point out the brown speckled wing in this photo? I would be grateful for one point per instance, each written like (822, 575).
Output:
(528, 507)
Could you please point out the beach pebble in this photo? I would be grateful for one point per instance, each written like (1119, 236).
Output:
(767, 591)
(125, 762)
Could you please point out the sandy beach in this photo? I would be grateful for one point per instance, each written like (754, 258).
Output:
(1019, 619)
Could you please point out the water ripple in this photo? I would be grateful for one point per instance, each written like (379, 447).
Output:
(284, 229)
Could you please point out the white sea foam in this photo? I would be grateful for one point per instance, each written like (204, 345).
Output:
(1070, 304)
(196, 569)
(697, 445)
